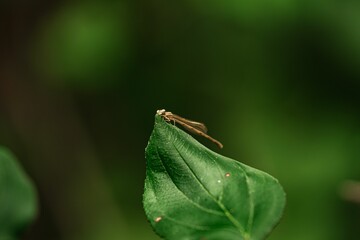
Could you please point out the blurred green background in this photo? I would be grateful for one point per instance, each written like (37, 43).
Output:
(277, 82)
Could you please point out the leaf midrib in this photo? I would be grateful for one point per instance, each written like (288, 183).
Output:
(227, 213)
(218, 213)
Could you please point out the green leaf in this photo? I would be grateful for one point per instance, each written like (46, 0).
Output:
(192, 192)
(17, 197)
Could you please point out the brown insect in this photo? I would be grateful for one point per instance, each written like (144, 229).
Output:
(192, 126)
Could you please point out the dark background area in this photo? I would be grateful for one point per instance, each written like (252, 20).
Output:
(277, 82)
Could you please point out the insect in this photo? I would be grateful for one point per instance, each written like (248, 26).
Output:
(192, 126)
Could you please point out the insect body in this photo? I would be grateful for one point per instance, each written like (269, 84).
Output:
(192, 126)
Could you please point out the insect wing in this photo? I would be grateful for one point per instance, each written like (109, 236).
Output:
(199, 126)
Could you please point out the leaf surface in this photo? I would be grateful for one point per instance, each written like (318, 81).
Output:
(192, 192)
(17, 197)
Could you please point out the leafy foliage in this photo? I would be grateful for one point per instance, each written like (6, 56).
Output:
(17, 197)
(192, 192)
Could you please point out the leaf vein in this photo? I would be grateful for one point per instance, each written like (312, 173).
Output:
(189, 199)
(196, 227)
(227, 213)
